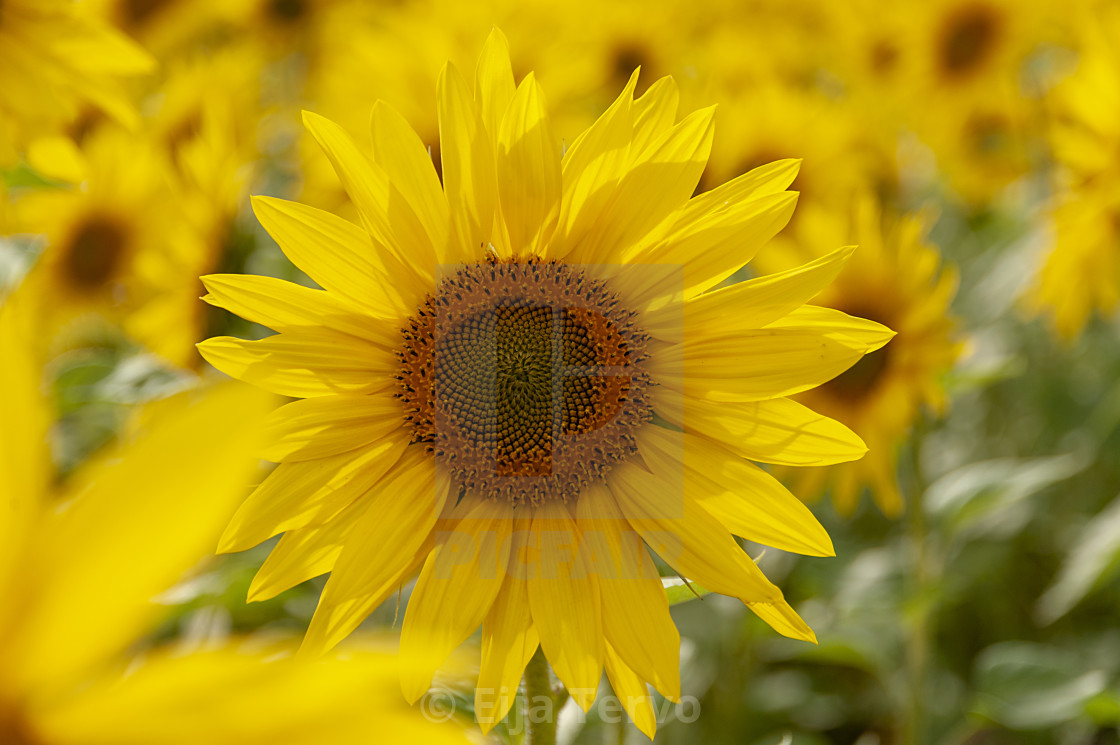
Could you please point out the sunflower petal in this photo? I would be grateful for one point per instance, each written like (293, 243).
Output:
(849, 330)
(564, 599)
(529, 182)
(309, 492)
(335, 253)
(398, 519)
(469, 179)
(303, 364)
(329, 425)
(493, 82)
(779, 431)
(631, 691)
(454, 593)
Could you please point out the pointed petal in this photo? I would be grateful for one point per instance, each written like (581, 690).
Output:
(493, 81)
(404, 157)
(303, 364)
(636, 617)
(335, 253)
(509, 641)
(455, 591)
(305, 493)
(850, 330)
(632, 692)
(655, 111)
(398, 519)
(286, 307)
(779, 431)
(748, 501)
(469, 179)
(378, 201)
(529, 182)
(564, 599)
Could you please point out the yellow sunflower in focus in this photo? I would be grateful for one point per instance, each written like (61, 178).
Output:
(54, 56)
(894, 278)
(512, 380)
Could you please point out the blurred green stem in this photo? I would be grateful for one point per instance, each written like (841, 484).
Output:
(917, 643)
(541, 706)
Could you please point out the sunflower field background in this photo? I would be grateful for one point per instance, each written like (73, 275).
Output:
(969, 148)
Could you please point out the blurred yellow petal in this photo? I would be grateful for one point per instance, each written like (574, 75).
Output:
(244, 694)
(143, 516)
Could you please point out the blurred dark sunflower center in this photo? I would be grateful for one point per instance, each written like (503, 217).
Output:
(884, 56)
(967, 39)
(95, 252)
(523, 379)
(137, 12)
(287, 10)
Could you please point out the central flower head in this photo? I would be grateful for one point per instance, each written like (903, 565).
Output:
(524, 378)
(519, 376)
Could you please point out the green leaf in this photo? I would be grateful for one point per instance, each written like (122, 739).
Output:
(1092, 562)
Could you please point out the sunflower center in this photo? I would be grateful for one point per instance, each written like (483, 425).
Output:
(137, 12)
(525, 379)
(94, 253)
(884, 57)
(967, 39)
(287, 11)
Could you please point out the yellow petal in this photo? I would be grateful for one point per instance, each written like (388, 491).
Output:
(329, 425)
(591, 168)
(855, 332)
(783, 619)
(142, 515)
(398, 150)
(748, 501)
(309, 492)
(528, 171)
(302, 554)
(493, 82)
(25, 468)
(657, 182)
(241, 693)
(564, 600)
(632, 692)
(779, 431)
(455, 591)
(286, 307)
(753, 365)
(303, 364)
(398, 519)
(655, 111)
(758, 302)
(469, 179)
(509, 641)
(337, 254)
(687, 537)
(392, 229)
(636, 617)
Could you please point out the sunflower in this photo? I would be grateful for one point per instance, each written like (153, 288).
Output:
(119, 248)
(511, 381)
(893, 278)
(72, 552)
(54, 56)
(1085, 138)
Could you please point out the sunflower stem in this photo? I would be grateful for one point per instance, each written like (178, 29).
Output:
(540, 702)
(917, 646)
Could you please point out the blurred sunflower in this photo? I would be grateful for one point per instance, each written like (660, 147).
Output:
(77, 599)
(503, 390)
(119, 248)
(893, 278)
(53, 56)
(1085, 139)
